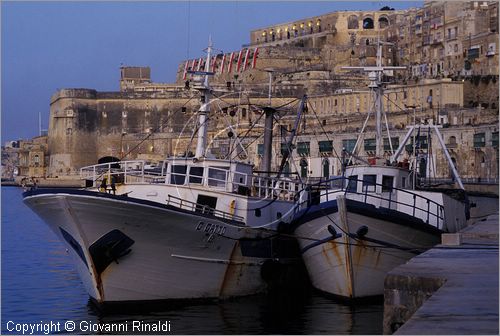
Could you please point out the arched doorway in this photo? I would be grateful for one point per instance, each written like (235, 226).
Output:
(303, 167)
(326, 168)
(422, 168)
(286, 169)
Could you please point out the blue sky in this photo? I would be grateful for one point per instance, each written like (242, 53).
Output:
(46, 46)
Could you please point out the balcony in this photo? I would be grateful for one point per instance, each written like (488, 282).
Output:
(437, 41)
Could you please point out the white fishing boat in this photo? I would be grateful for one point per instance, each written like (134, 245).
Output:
(199, 228)
(361, 225)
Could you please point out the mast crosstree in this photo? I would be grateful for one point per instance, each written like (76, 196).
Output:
(377, 87)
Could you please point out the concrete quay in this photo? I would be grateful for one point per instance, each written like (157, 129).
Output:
(69, 181)
(452, 289)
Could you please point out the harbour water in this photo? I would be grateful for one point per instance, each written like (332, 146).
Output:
(39, 285)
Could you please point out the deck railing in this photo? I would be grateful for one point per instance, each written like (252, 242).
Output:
(201, 208)
(127, 172)
(392, 198)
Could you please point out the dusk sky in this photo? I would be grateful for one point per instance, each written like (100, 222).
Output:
(47, 46)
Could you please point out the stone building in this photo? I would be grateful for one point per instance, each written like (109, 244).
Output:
(10, 160)
(33, 156)
(451, 80)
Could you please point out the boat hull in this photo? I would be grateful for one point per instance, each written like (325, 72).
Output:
(352, 266)
(173, 254)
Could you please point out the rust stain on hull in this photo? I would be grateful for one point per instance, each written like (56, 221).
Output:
(231, 269)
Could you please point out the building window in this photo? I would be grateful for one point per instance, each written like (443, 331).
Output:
(394, 141)
(36, 160)
(348, 144)
(303, 148)
(352, 22)
(370, 145)
(325, 146)
(383, 22)
(260, 149)
(421, 143)
(473, 53)
(494, 139)
(452, 141)
(479, 140)
(284, 149)
(368, 23)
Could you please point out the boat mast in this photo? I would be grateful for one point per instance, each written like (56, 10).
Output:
(377, 86)
(205, 106)
(268, 131)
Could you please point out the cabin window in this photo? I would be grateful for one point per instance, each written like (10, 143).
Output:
(403, 182)
(178, 174)
(217, 177)
(369, 182)
(196, 175)
(387, 183)
(352, 183)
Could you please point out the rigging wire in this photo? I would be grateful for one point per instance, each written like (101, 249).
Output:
(324, 131)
